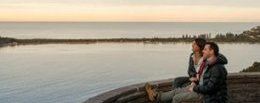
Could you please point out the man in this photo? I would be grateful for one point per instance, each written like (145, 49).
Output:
(212, 82)
(212, 85)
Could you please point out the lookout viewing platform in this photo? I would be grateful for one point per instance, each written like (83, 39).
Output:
(242, 88)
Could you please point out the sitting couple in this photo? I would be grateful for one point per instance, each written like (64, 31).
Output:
(206, 81)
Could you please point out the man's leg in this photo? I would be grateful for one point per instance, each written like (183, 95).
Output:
(186, 97)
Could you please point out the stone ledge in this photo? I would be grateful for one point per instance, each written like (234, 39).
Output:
(242, 88)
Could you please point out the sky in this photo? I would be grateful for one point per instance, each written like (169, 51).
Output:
(131, 10)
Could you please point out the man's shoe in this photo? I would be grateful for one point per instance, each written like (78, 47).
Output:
(151, 94)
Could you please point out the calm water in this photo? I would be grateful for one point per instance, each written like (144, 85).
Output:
(117, 29)
(72, 73)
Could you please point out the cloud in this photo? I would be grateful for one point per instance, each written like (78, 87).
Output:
(127, 10)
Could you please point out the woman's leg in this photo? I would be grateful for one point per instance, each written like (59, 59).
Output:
(180, 81)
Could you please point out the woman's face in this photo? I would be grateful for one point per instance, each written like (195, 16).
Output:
(195, 47)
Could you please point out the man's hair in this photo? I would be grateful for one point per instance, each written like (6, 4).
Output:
(200, 42)
(214, 47)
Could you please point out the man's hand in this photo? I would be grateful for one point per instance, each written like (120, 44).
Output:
(191, 89)
(192, 85)
(193, 79)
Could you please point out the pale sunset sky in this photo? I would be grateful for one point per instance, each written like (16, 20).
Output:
(131, 10)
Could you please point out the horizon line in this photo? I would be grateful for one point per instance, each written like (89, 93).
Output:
(134, 21)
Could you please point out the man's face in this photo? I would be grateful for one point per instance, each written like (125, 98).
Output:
(195, 47)
(207, 52)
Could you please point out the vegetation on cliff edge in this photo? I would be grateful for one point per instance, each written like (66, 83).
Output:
(254, 68)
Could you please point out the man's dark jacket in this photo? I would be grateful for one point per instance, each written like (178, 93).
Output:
(214, 87)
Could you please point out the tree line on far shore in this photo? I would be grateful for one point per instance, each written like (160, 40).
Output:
(250, 36)
(6, 40)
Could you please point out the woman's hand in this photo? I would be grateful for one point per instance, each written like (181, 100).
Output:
(193, 79)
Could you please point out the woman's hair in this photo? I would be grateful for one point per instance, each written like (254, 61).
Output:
(200, 42)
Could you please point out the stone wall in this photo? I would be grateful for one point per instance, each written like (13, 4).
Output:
(242, 88)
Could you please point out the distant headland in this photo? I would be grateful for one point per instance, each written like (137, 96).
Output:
(248, 36)
(254, 68)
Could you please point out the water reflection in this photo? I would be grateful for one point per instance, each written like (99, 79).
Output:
(71, 73)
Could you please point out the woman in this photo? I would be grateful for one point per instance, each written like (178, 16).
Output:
(195, 61)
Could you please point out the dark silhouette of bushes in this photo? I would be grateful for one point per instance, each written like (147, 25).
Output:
(5, 41)
(252, 35)
(254, 68)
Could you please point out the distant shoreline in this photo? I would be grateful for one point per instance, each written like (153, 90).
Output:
(248, 36)
(13, 41)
